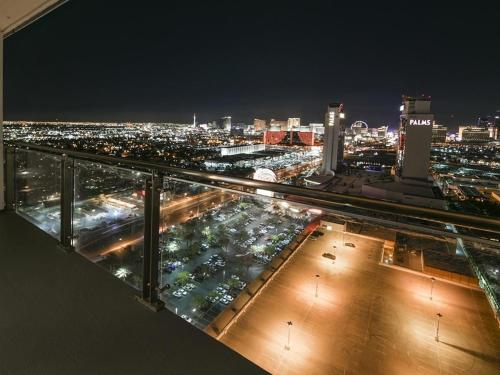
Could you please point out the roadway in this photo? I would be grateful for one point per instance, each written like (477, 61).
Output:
(116, 236)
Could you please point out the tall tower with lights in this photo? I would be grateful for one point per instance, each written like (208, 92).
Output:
(333, 148)
(415, 137)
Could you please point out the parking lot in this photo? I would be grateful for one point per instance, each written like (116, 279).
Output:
(208, 260)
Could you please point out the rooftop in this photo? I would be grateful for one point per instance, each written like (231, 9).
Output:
(409, 189)
(367, 318)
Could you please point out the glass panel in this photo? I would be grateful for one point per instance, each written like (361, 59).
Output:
(38, 190)
(215, 243)
(108, 218)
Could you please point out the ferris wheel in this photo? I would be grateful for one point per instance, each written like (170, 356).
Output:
(359, 124)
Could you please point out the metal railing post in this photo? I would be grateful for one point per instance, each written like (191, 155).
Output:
(67, 192)
(10, 179)
(151, 258)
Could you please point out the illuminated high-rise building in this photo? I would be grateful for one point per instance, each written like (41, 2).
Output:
(492, 123)
(439, 133)
(474, 134)
(278, 124)
(226, 123)
(333, 149)
(259, 125)
(293, 122)
(237, 129)
(415, 137)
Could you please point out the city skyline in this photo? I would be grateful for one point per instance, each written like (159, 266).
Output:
(207, 59)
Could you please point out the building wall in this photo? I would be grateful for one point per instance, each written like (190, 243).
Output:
(381, 193)
(247, 149)
(333, 149)
(274, 137)
(417, 152)
(307, 138)
(293, 122)
(2, 192)
(259, 125)
(415, 137)
(474, 134)
(282, 124)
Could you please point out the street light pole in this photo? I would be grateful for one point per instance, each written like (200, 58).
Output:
(290, 324)
(438, 315)
(317, 282)
(432, 286)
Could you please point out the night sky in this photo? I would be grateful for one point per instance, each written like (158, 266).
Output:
(163, 60)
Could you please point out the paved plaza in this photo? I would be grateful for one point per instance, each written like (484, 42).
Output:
(366, 319)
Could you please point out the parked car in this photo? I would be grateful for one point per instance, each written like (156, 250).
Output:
(177, 294)
(186, 318)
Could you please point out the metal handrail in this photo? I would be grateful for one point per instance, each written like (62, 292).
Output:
(481, 223)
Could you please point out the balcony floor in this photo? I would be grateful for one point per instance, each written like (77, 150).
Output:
(61, 314)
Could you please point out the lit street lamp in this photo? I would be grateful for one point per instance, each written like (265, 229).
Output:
(438, 315)
(432, 286)
(290, 324)
(317, 282)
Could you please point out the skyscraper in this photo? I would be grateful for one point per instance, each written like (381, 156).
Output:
(333, 149)
(226, 123)
(293, 122)
(237, 129)
(439, 133)
(259, 125)
(415, 136)
(492, 123)
(412, 182)
(281, 124)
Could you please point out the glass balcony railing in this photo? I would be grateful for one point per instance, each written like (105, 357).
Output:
(215, 243)
(38, 189)
(108, 218)
(206, 246)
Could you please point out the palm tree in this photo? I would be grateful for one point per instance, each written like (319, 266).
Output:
(192, 249)
(199, 302)
(188, 232)
(242, 236)
(182, 278)
(223, 237)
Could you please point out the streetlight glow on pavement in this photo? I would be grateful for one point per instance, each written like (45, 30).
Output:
(365, 311)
